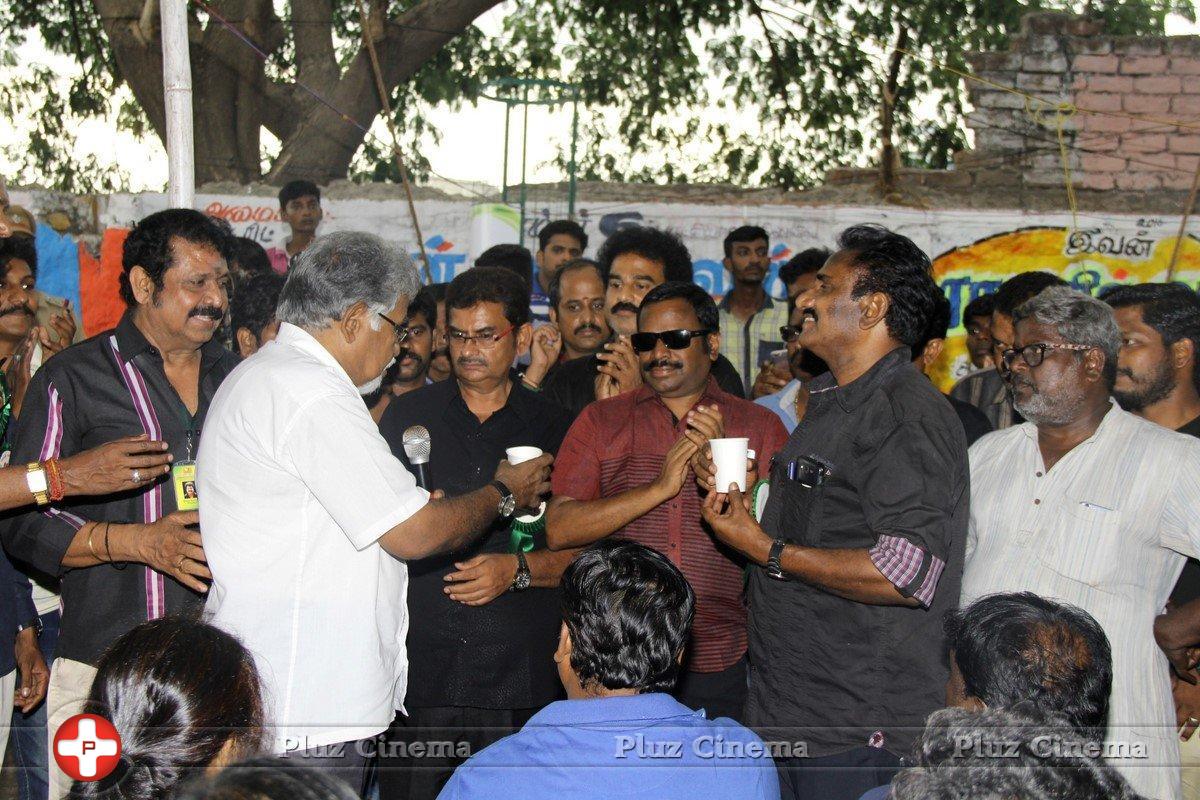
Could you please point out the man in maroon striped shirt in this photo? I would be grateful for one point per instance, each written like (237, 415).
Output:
(624, 469)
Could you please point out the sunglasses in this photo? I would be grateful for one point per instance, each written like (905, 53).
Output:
(674, 340)
(789, 333)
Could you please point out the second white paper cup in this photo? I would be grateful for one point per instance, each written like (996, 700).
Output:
(729, 457)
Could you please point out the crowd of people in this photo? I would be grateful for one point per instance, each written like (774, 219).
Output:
(301, 527)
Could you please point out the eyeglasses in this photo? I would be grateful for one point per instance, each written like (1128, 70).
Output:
(400, 330)
(484, 340)
(1034, 354)
(789, 333)
(674, 340)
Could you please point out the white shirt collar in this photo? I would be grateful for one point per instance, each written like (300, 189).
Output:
(294, 336)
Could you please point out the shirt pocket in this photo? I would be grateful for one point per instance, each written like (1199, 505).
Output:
(1084, 543)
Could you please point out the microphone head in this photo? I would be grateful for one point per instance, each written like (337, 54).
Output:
(416, 441)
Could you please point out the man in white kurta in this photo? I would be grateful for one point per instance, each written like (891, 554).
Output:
(1105, 528)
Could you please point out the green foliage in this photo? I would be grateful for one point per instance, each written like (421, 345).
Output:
(761, 93)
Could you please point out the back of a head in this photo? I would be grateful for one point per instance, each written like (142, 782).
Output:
(490, 285)
(653, 244)
(938, 325)
(340, 269)
(999, 754)
(254, 302)
(512, 257)
(250, 256)
(268, 778)
(177, 691)
(1022, 287)
(629, 612)
(893, 265)
(562, 227)
(1045, 657)
(806, 262)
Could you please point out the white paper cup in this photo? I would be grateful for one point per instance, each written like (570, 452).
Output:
(730, 459)
(516, 455)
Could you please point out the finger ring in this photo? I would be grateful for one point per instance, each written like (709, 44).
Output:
(179, 563)
(1193, 721)
(137, 476)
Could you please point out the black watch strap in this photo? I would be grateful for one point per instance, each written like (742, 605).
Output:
(774, 567)
(501, 488)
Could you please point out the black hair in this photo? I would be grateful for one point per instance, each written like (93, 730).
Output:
(490, 285)
(562, 226)
(979, 307)
(424, 304)
(652, 244)
(805, 262)
(18, 247)
(253, 304)
(1004, 753)
(1172, 309)
(574, 264)
(512, 257)
(437, 291)
(700, 300)
(891, 264)
(294, 190)
(177, 691)
(1048, 657)
(629, 612)
(268, 778)
(746, 233)
(250, 256)
(938, 324)
(149, 244)
(1022, 287)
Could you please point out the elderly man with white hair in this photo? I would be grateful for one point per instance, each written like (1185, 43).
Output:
(307, 517)
(1089, 505)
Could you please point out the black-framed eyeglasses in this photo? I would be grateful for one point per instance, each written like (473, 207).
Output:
(789, 333)
(400, 330)
(674, 340)
(1034, 354)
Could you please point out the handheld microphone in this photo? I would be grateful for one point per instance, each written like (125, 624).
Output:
(416, 441)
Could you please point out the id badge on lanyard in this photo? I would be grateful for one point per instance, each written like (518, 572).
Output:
(183, 476)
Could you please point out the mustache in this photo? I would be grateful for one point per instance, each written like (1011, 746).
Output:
(663, 362)
(470, 361)
(623, 306)
(588, 326)
(18, 308)
(1015, 380)
(214, 313)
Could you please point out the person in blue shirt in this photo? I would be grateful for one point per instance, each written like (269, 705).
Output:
(627, 612)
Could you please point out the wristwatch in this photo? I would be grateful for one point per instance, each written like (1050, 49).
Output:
(508, 503)
(522, 579)
(38, 483)
(35, 623)
(774, 568)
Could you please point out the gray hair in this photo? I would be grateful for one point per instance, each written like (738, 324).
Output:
(340, 269)
(1079, 319)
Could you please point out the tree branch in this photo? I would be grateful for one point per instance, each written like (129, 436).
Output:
(312, 32)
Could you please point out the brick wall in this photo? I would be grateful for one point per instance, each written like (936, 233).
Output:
(1066, 59)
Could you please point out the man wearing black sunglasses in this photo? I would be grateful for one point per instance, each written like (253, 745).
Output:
(623, 469)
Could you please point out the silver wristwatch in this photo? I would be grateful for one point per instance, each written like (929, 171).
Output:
(523, 578)
(508, 503)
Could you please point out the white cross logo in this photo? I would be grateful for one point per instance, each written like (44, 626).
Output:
(87, 747)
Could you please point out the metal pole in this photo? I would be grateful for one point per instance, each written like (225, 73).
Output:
(177, 90)
(571, 166)
(524, 153)
(507, 118)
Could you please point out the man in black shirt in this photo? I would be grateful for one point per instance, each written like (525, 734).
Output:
(154, 374)
(484, 622)
(633, 261)
(862, 539)
(1157, 379)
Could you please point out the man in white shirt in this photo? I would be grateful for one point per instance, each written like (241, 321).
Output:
(1087, 504)
(307, 516)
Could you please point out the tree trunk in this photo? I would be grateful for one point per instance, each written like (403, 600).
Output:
(889, 158)
(233, 99)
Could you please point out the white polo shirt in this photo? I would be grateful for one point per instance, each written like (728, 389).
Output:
(296, 487)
